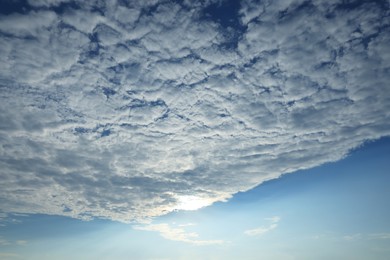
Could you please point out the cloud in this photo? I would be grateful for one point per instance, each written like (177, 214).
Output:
(264, 229)
(5, 255)
(178, 234)
(352, 237)
(379, 236)
(6, 242)
(21, 242)
(3, 218)
(46, 3)
(120, 110)
(367, 236)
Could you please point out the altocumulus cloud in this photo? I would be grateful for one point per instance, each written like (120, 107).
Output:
(120, 109)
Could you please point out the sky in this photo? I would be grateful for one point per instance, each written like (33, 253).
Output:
(214, 129)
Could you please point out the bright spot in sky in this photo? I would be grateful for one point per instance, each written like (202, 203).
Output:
(191, 203)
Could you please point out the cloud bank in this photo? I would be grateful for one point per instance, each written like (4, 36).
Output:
(120, 109)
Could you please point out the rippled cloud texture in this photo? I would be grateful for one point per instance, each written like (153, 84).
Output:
(120, 109)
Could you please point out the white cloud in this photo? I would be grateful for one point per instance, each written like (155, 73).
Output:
(379, 236)
(4, 242)
(352, 237)
(263, 229)
(21, 242)
(260, 231)
(178, 234)
(274, 219)
(117, 116)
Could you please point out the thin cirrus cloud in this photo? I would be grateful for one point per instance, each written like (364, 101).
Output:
(178, 234)
(263, 229)
(119, 110)
(372, 236)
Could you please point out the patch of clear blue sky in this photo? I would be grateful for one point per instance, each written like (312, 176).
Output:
(336, 211)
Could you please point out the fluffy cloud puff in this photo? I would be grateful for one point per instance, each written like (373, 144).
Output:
(119, 109)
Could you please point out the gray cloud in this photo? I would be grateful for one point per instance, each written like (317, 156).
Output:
(121, 110)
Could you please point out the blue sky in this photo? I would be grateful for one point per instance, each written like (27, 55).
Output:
(207, 129)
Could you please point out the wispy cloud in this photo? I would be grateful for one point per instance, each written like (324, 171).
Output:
(7, 242)
(353, 236)
(263, 229)
(379, 236)
(178, 234)
(370, 236)
(21, 242)
(5, 255)
(187, 225)
(4, 242)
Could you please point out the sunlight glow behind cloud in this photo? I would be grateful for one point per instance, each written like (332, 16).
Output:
(192, 203)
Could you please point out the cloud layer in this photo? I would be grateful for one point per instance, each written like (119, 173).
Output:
(118, 109)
